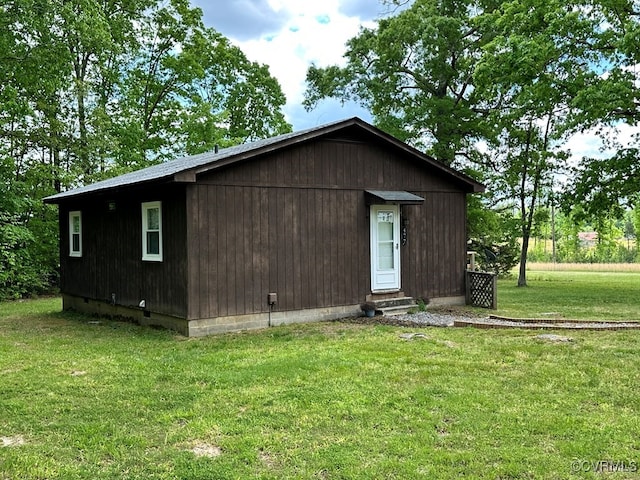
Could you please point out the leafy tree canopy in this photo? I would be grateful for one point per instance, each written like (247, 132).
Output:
(414, 72)
(500, 85)
(94, 88)
(607, 102)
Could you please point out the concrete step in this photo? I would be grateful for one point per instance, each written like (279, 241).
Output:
(394, 306)
(394, 302)
(397, 310)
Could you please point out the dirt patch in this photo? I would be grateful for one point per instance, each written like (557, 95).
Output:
(14, 441)
(267, 459)
(206, 450)
(411, 336)
(550, 337)
(421, 336)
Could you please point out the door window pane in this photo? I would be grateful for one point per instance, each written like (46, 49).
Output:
(385, 232)
(385, 256)
(385, 216)
(385, 240)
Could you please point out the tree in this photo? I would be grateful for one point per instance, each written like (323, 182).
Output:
(610, 100)
(93, 88)
(448, 75)
(629, 227)
(90, 82)
(605, 184)
(569, 245)
(492, 235)
(96, 33)
(27, 236)
(189, 89)
(530, 74)
(635, 218)
(414, 72)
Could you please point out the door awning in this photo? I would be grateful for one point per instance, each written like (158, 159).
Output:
(392, 196)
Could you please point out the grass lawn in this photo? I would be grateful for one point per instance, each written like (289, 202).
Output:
(586, 295)
(111, 400)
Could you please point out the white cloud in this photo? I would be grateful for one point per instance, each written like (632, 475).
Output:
(296, 35)
(587, 144)
(303, 41)
(590, 144)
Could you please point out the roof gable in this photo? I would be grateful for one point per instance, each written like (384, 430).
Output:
(186, 169)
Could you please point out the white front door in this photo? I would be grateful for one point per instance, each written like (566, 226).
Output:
(385, 247)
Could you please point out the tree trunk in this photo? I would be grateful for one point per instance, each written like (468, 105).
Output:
(82, 124)
(527, 213)
(522, 275)
(553, 232)
(81, 62)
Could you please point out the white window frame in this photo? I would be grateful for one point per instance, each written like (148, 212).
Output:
(72, 216)
(146, 256)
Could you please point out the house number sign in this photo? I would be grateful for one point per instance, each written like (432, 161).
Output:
(386, 217)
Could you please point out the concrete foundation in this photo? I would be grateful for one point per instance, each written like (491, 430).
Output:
(207, 326)
(445, 301)
(138, 315)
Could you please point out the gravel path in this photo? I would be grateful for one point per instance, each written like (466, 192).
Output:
(430, 319)
(439, 319)
(420, 319)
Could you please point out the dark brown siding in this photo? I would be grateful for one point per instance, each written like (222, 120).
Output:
(434, 258)
(300, 243)
(334, 164)
(296, 223)
(112, 264)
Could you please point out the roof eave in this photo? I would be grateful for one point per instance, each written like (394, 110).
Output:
(298, 139)
(74, 194)
(473, 185)
(189, 174)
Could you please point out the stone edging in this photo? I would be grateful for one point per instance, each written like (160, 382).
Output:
(546, 324)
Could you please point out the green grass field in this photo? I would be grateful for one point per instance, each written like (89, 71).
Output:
(595, 295)
(111, 400)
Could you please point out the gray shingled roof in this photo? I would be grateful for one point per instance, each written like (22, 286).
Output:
(170, 168)
(167, 170)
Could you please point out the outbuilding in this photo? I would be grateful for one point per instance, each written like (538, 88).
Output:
(299, 227)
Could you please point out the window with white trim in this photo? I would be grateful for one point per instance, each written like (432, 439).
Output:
(152, 231)
(75, 234)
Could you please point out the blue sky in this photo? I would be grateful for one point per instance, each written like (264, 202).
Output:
(290, 35)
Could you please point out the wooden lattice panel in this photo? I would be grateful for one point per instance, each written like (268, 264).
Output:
(481, 290)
